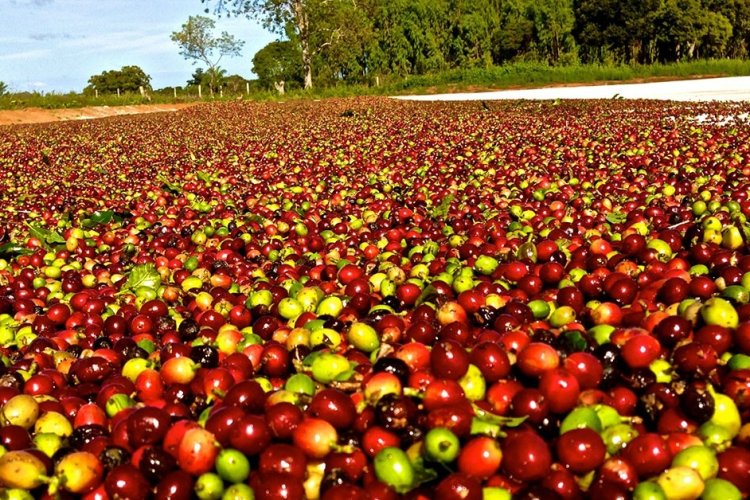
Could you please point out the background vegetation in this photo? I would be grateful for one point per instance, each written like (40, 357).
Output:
(407, 46)
(366, 41)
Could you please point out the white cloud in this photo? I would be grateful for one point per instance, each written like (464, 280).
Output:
(120, 41)
(35, 3)
(24, 55)
(45, 37)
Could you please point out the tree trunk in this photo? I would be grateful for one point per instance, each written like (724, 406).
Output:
(307, 64)
(300, 16)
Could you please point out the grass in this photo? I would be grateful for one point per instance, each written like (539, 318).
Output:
(516, 75)
(536, 75)
(72, 100)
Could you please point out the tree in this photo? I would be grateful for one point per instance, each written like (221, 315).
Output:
(554, 20)
(473, 24)
(126, 79)
(295, 19)
(235, 83)
(197, 77)
(343, 33)
(737, 13)
(3, 88)
(620, 29)
(515, 36)
(278, 64)
(413, 35)
(197, 42)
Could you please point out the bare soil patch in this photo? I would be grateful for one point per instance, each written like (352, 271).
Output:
(39, 115)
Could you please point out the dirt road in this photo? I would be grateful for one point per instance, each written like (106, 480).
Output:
(39, 115)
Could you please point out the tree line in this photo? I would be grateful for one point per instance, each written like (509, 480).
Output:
(358, 41)
(334, 42)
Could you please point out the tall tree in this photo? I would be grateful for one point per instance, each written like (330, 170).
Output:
(198, 42)
(473, 23)
(737, 12)
(346, 34)
(126, 79)
(619, 29)
(278, 65)
(292, 18)
(197, 77)
(515, 35)
(554, 21)
(413, 35)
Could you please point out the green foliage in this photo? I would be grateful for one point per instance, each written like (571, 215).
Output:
(126, 79)
(197, 77)
(369, 41)
(515, 35)
(235, 84)
(143, 276)
(198, 42)
(278, 62)
(554, 21)
(645, 31)
(3, 88)
(516, 75)
(47, 237)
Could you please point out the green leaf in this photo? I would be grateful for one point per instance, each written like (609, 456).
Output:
(46, 236)
(485, 416)
(12, 248)
(422, 473)
(575, 340)
(143, 276)
(616, 217)
(205, 177)
(428, 292)
(441, 210)
(170, 186)
(102, 216)
(344, 376)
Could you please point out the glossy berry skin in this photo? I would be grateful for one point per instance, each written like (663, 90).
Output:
(561, 389)
(449, 360)
(586, 368)
(480, 457)
(563, 483)
(177, 485)
(284, 459)
(734, 466)
(333, 406)
(250, 434)
(276, 486)
(640, 351)
(458, 485)
(526, 456)
(581, 450)
(648, 454)
(491, 360)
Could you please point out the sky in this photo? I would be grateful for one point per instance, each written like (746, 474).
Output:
(56, 45)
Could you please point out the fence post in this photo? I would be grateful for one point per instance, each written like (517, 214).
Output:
(96, 93)
(118, 92)
(200, 92)
(247, 88)
(175, 92)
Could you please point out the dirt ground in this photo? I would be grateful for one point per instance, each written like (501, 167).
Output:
(39, 115)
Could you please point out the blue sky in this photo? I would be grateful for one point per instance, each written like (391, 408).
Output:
(56, 45)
